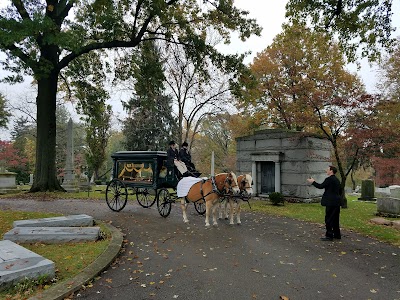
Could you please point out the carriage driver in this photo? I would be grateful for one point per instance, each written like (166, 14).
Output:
(186, 157)
(173, 159)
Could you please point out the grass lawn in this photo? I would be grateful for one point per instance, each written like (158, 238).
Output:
(69, 258)
(356, 217)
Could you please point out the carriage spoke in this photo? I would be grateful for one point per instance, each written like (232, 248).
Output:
(164, 202)
(144, 197)
(200, 207)
(116, 195)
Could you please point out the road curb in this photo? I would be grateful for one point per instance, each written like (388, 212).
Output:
(68, 286)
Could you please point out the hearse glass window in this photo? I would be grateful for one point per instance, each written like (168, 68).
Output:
(135, 171)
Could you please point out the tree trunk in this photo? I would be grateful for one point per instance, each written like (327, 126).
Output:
(45, 171)
(353, 182)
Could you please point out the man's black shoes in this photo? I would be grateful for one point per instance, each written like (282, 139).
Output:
(326, 238)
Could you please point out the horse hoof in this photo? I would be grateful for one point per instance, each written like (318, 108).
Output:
(226, 218)
(239, 224)
(215, 225)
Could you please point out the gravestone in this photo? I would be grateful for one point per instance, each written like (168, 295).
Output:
(367, 190)
(7, 181)
(63, 221)
(70, 184)
(52, 234)
(18, 263)
(388, 206)
(30, 179)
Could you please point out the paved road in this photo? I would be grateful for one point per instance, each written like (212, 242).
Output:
(265, 258)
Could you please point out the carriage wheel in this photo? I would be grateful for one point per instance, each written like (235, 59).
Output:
(144, 198)
(164, 202)
(116, 195)
(200, 207)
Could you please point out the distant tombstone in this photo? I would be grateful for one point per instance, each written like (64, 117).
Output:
(30, 179)
(7, 180)
(70, 183)
(367, 190)
(388, 206)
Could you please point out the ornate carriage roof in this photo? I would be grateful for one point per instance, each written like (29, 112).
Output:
(138, 154)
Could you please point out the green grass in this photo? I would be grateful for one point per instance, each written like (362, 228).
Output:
(69, 258)
(356, 217)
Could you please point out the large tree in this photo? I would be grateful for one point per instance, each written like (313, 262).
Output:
(198, 91)
(363, 24)
(42, 37)
(150, 123)
(385, 132)
(302, 87)
(84, 80)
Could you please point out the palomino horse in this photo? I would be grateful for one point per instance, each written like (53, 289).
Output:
(245, 182)
(210, 191)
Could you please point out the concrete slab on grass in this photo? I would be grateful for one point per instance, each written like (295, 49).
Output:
(18, 263)
(52, 235)
(63, 221)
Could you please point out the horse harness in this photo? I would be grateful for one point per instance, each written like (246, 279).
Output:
(215, 189)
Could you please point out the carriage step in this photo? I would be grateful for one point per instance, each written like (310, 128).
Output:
(63, 221)
(18, 263)
(52, 234)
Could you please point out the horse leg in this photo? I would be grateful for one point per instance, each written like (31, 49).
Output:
(220, 206)
(226, 208)
(214, 212)
(239, 202)
(231, 211)
(184, 207)
(208, 210)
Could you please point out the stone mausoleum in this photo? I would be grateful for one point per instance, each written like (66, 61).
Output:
(281, 161)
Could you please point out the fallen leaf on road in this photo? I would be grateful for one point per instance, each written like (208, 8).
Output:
(283, 298)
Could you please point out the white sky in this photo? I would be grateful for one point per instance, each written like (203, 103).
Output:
(270, 14)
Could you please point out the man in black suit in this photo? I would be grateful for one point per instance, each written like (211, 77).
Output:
(186, 157)
(331, 199)
(174, 160)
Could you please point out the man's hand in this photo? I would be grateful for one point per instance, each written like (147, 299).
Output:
(310, 180)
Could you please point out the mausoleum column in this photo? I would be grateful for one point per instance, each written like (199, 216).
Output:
(277, 176)
(254, 176)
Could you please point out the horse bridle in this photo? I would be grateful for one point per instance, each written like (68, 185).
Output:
(244, 183)
(228, 181)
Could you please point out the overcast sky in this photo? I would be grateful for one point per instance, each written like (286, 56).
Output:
(269, 14)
